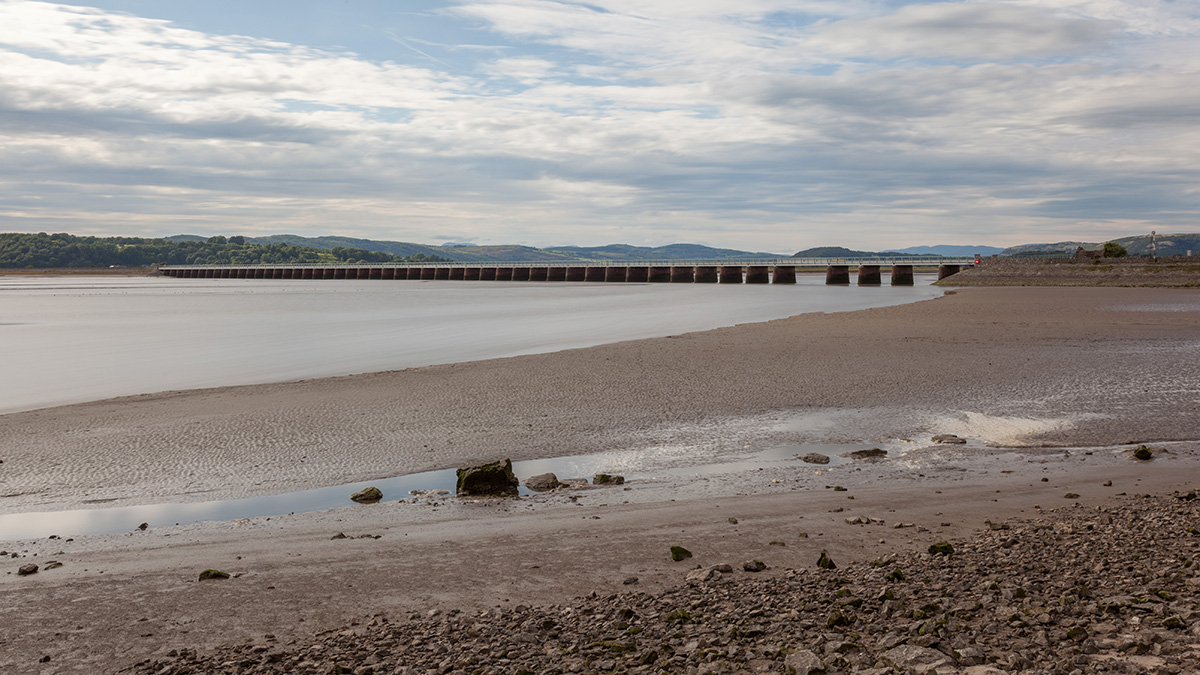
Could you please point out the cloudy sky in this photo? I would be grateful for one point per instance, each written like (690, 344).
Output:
(756, 124)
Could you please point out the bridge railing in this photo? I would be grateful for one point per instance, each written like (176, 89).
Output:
(767, 262)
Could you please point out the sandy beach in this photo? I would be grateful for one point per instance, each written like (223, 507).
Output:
(1045, 383)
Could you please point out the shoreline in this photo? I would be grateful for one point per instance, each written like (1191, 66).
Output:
(870, 376)
(1057, 381)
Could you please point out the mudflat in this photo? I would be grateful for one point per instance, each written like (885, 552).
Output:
(1050, 383)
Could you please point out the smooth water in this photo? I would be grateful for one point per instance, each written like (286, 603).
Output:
(70, 340)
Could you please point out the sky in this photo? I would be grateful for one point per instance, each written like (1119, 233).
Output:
(767, 125)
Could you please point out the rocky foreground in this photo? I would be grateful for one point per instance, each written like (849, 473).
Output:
(1072, 590)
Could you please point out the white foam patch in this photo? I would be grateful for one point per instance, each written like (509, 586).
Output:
(1002, 431)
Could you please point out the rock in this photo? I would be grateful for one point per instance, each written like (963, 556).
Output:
(754, 566)
(53, 565)
(680, 553)
(1108, 483)
(339, 535)
(370, 495)
(629, 581)
(607, 479)
(733, 521)
(815, 458)
(143, 526)
(948, 438)
(1072, 495)
(872, 454)
(1143, 453)
(914, 658)
(213, 574)
(941, 548)
(703, 574)
(26, 570)
(803, 662)
(494, 479)
(825, 562)
(543, 482)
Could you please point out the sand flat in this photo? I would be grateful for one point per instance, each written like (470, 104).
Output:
(1051, 374)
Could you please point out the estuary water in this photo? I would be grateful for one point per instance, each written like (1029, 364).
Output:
(76, 339)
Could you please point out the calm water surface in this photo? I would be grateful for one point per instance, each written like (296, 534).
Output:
(69, 340)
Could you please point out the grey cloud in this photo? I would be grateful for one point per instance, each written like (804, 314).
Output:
(979, 31)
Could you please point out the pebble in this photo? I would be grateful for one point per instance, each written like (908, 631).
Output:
(1069, 591)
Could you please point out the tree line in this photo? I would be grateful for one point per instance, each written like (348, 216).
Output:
(65, 250)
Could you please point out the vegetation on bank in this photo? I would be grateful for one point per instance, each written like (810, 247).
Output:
(64, 250)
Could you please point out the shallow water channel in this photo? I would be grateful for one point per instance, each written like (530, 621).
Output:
(637, 466)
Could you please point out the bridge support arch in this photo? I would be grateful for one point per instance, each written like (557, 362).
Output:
(902, 275)
(659, 275)
(948, 270)
(868, 275)
(837, 275)
(683, 275)
(730, 274)
(784, 274)
(616, 275)
(757, 274)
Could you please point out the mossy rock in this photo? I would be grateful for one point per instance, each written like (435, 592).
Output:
(825, 562)
(941, 548)
(1072, 495)
(680, 553)
(213, 574)
(896, 575)
(494, 479)
(1143, 453)
(369, 495)
(607, 479)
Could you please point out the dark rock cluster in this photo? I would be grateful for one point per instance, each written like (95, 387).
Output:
(1072, 591)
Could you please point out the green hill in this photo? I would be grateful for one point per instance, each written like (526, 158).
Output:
(64, 250)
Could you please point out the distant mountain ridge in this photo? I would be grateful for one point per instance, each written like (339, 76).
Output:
(464, 252)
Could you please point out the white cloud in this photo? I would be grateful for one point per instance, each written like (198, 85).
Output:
(766, 124)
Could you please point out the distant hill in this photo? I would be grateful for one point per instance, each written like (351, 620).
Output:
(832, 252)
(950, 251)
(465, 252)
(1167, 245)
(669, 252)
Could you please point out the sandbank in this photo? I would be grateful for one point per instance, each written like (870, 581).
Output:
(1045, 383)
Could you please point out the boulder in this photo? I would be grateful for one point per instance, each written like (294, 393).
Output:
(607, 479)
(494, 479)
(948, 438)
(543, 482)
(754, 566)
(803, 662)
(941, 548)
(367, 496)
(26, 570)
(815, 458)
(825, 562)
(1143, 453)
(206, 575)
(703, 574)
(872, 454)
(915, 659)
(680, 553)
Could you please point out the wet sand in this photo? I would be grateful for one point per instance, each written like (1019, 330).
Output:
(1047, 376)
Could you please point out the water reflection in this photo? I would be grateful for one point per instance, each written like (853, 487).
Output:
(640, 465)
